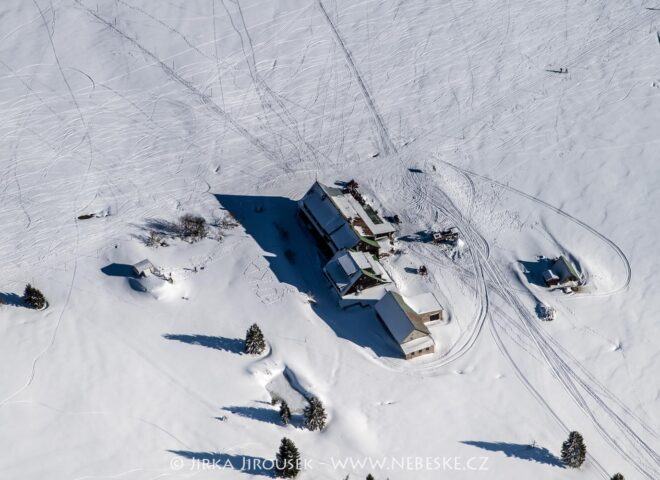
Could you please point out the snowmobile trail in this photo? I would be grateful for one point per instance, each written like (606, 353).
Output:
(619, 253)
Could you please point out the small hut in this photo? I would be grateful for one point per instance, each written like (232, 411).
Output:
(143, 268)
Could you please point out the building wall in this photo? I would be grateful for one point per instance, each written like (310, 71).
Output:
(419, 353)
(427, 316)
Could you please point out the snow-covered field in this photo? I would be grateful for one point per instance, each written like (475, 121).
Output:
(448, 113)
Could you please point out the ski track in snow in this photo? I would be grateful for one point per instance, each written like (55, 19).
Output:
(279, 134)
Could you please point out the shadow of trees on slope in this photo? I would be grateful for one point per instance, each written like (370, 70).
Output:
(522, 451)
(232, 345)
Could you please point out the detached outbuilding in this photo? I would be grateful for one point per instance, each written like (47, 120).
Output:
(406, 319)
(562, 274)
(143, 268)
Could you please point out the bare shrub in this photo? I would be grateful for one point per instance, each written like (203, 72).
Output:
(192, 227)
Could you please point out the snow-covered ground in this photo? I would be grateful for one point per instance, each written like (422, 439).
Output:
(448, 114)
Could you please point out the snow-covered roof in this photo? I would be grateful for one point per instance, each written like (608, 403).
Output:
(417, 344)
(346, 267)
(333, 208)
(424, 303)
(565, 269)
(399, 319)
(143, 266)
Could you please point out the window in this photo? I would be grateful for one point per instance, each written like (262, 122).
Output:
(435, 316)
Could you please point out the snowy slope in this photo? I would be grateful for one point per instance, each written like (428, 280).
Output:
(447, 113)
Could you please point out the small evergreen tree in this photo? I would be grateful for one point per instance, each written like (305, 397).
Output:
(254, 340)
(573, 450)
(370, 477)
(314, 414)
(287, 463)
(285, 413)
(618, 476)
(33, 298)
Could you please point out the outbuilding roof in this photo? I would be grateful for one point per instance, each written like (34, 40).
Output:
(399, 318)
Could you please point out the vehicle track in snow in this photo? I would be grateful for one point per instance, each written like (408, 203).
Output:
(386, 142)
(634, 449)
(618, 252)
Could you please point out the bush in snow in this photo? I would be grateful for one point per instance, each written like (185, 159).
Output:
(287, 463)
(618, 476)
(254, 340)
(285, 413)
(573, 450)
(314, 414)
(192, 227)
(370, 477)
(33, 298)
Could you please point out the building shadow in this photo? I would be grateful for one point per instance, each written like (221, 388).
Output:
(517, 450)
(11, 299)
(232, 345)
(533, 270)
(257, 466)
(118, 270)
(423, 236)
(295, 259)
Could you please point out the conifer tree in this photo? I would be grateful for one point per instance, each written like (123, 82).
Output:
(254, 340)
(33, 298)
(285, 413)
(287, 463)
(573, 450)
(314, 415)
(370, 477)
(618, 476)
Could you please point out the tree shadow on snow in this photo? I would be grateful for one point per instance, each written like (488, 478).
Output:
(12, 299)
(266, 415)
(243, 463)
(517, 450)
(295, 258)
(232, 345)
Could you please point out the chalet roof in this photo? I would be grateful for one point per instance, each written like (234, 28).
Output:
(331, 207)
(346, 267)
(565, 269)
(399, 318)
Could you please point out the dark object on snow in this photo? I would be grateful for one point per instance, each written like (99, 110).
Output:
(394, 219)
(285, 413)
(314, 415)
(287, 462)
(415, 170)
(33, 298)
(618, 476)
(422, 270)
(450, 235)
(573, 450)
(254, 340)
(86, 216)
(370, 477)
(192, 227)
